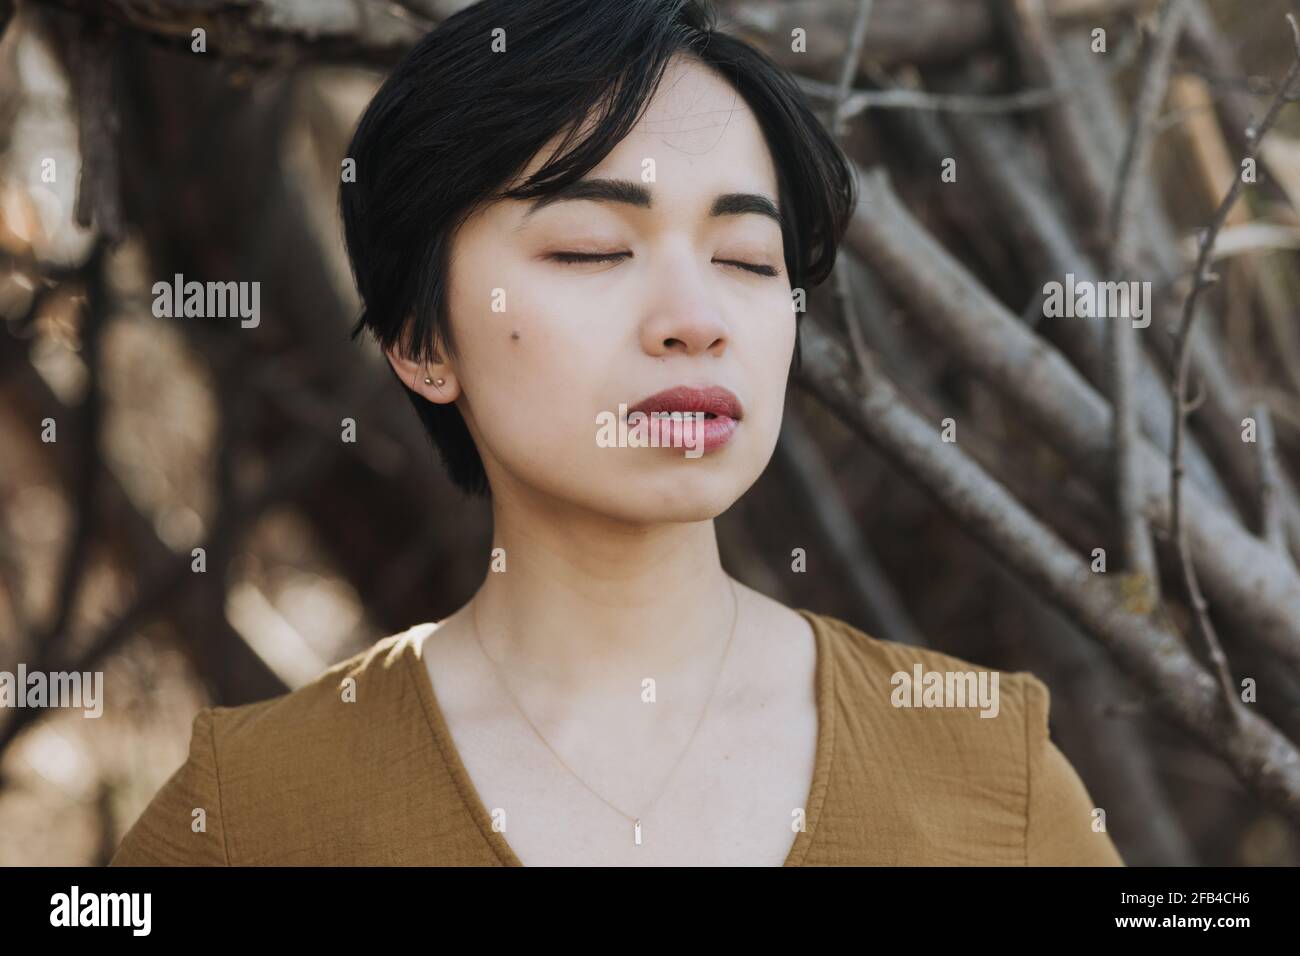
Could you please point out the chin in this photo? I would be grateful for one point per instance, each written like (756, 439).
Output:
(685, 491)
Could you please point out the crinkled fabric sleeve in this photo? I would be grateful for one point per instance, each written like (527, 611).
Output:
(169, 832)
(1059, 826)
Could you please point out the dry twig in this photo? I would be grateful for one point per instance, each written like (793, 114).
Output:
(1203, 278)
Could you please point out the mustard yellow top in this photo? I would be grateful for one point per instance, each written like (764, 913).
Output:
(299, 780)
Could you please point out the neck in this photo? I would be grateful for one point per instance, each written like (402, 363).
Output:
(586, 600)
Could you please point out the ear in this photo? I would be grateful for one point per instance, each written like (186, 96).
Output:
(413, 373)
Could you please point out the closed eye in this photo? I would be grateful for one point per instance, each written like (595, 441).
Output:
(572, 258)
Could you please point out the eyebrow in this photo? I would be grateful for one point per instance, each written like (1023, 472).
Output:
(632, 193)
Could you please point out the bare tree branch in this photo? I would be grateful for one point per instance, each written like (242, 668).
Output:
(1242, 571)
(1227, 397)
(1018, 188)
(1182, 406)
(901, 30)
(799, 457)
(83, 433)
(1137, 150)
(1088, 186)
(850, 68)
(98, 190)
(860, 101)
(267, 31)
(1138, 550)
(1269, 471)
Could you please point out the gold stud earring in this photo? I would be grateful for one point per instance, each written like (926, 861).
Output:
(439, 382)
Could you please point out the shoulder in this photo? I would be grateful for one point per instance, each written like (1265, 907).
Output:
(921, 679)
(327, 711)
(935, 707)
(258, 773)
(973, 775)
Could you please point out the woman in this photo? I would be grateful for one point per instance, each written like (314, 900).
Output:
(566, 213)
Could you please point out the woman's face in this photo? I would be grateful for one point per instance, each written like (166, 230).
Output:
(549, 350)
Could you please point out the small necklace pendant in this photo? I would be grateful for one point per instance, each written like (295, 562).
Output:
(637, 832)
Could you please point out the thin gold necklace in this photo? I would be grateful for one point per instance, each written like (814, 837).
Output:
(635, 819)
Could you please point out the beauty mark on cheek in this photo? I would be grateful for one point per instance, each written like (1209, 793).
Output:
(514, 335)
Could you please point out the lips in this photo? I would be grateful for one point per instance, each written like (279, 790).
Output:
(722, 410)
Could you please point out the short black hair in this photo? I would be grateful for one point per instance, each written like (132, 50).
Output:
(454, 123)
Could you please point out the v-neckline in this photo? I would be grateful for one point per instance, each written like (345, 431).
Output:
(469, 795)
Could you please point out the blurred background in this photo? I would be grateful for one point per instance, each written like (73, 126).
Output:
(128, 156)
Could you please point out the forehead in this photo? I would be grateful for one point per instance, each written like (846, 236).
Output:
(700, 134)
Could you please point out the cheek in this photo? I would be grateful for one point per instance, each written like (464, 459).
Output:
(506, 343)
(530, 375)
(769, 354)
(517, 370)
(774, 338)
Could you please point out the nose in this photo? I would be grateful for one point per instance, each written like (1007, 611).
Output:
(685, 317)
